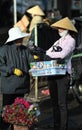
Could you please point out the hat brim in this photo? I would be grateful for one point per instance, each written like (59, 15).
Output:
(64, 23)
(18, 37)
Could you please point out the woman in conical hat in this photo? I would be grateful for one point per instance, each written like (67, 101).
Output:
(37, 16)
(62, 49)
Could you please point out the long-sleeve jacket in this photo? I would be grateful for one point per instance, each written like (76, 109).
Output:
(45, 35)
(12, 57)
(68, 45)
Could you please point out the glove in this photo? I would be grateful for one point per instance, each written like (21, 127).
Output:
(18, 72)
(47, 58)
(56, 48)
(36, 57)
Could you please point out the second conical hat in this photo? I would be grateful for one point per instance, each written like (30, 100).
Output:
(23, 23)
(65, 23)
(35, 21)
(36, 10)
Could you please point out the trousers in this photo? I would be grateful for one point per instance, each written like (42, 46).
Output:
(58, 87)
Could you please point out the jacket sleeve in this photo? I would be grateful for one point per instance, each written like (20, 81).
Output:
(30, 57)
(68, 45)
(4, 69)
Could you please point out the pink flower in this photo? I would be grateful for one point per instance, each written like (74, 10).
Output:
(18, 113)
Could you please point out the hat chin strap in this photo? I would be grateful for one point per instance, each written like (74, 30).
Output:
(64, 33)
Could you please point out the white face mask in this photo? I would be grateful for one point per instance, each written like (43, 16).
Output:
(64, 33)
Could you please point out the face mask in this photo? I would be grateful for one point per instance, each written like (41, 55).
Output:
(64, 33)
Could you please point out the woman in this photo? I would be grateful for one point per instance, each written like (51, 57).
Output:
(15, 61)
(58, 85)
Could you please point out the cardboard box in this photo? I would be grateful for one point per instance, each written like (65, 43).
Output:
(47, 68)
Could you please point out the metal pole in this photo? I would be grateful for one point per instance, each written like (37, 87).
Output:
(15, 11)
(36, 36)
(36, 78)
(54, 4)
(36, 88)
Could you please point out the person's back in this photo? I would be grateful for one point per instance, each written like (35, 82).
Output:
(45, 36)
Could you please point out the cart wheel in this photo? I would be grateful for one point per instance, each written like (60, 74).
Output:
(77, 89)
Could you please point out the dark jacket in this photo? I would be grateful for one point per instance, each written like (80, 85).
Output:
(12, 57)
(46, 36)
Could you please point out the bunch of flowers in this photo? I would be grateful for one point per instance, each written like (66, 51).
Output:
(21, 112)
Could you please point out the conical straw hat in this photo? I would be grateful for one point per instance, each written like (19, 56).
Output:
(35, 20)
(23, 23)
(36, 10)
(65, 23)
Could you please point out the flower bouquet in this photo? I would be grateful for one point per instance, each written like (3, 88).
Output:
(21, 113)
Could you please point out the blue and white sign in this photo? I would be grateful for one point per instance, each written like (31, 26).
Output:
(47, 68)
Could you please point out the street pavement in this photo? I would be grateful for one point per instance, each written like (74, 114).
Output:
(74, 119)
